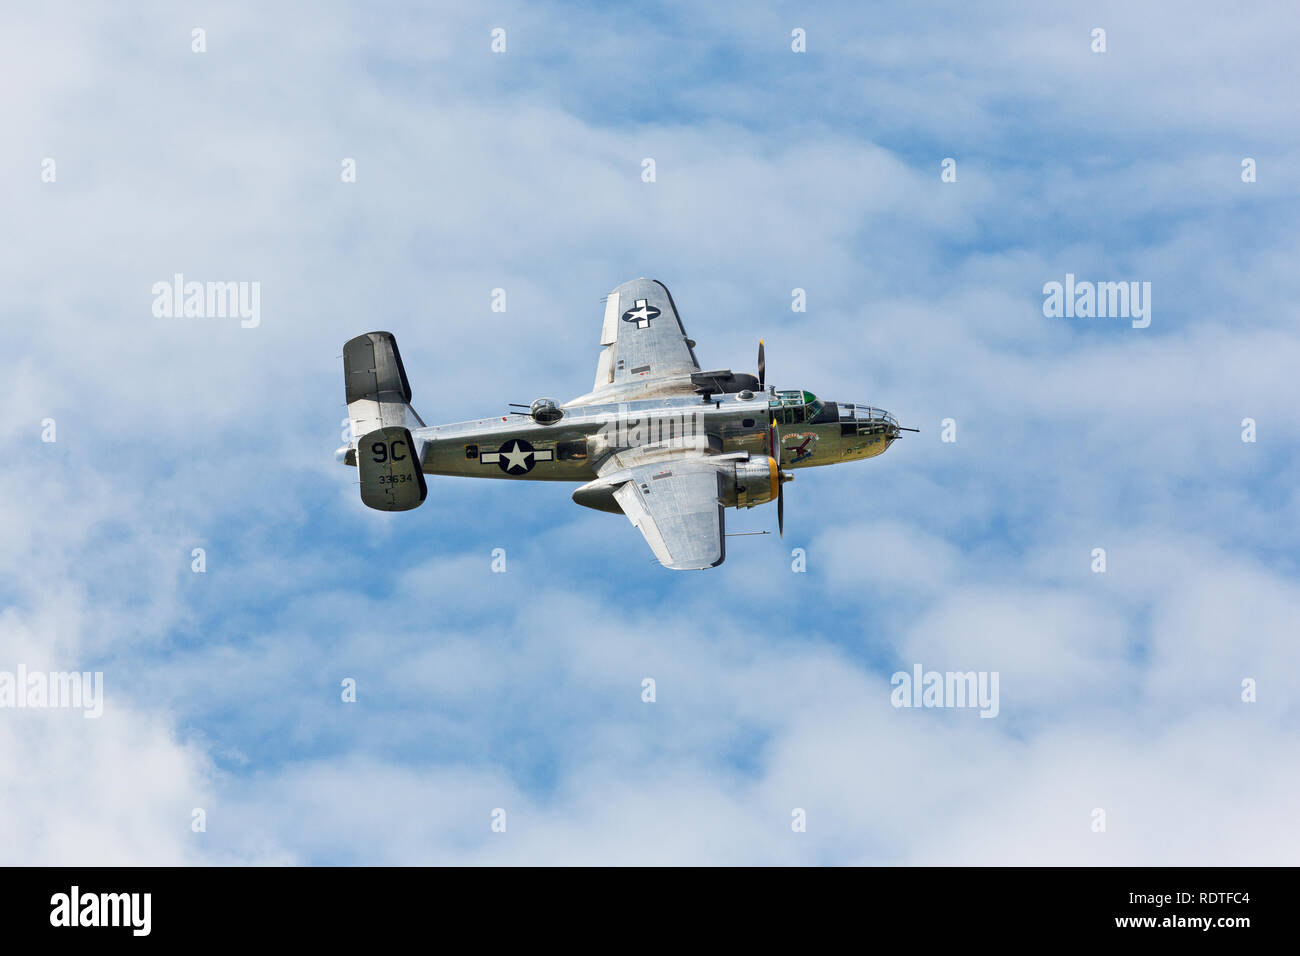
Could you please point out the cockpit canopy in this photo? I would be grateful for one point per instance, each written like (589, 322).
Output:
(797, 407)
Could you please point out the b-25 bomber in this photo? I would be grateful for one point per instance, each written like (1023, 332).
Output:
(657, 438)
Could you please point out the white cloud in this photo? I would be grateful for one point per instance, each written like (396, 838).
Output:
(522, 690)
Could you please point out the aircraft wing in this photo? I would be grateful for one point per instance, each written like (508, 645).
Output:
(675, 503)
(644, 347)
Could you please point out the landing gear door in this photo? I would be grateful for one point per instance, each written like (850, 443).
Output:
(391, 475)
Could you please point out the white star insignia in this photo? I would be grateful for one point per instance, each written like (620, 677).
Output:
(516, 458)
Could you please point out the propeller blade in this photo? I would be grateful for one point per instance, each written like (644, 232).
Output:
(774, 444)
(762, 365)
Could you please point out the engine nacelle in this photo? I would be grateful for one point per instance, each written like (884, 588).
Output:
(755, 482)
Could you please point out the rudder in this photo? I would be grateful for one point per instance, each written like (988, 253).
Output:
(378, 392)
(387, 456)
(389, 464)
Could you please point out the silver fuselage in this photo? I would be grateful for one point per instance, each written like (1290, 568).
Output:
(570, 449)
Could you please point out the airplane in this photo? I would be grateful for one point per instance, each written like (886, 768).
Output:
(657, 438)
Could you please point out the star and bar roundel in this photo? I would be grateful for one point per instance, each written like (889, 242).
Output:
(642, 314)
(516, 457)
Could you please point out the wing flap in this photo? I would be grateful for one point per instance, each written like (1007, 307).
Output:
(604, 369)
(609, 328)
(676, 505)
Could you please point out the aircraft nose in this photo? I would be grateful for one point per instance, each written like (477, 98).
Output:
(869, 419)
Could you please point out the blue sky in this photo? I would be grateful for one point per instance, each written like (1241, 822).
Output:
(522, 690)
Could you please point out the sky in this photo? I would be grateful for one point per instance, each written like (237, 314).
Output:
(1147, 714)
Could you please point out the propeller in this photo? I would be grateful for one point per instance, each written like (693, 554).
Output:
(774, 443)
(781, 476)
(780, 508)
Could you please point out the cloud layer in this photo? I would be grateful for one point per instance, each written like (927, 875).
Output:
(522, 691)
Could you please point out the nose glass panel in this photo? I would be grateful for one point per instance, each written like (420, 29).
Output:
(860, 419)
